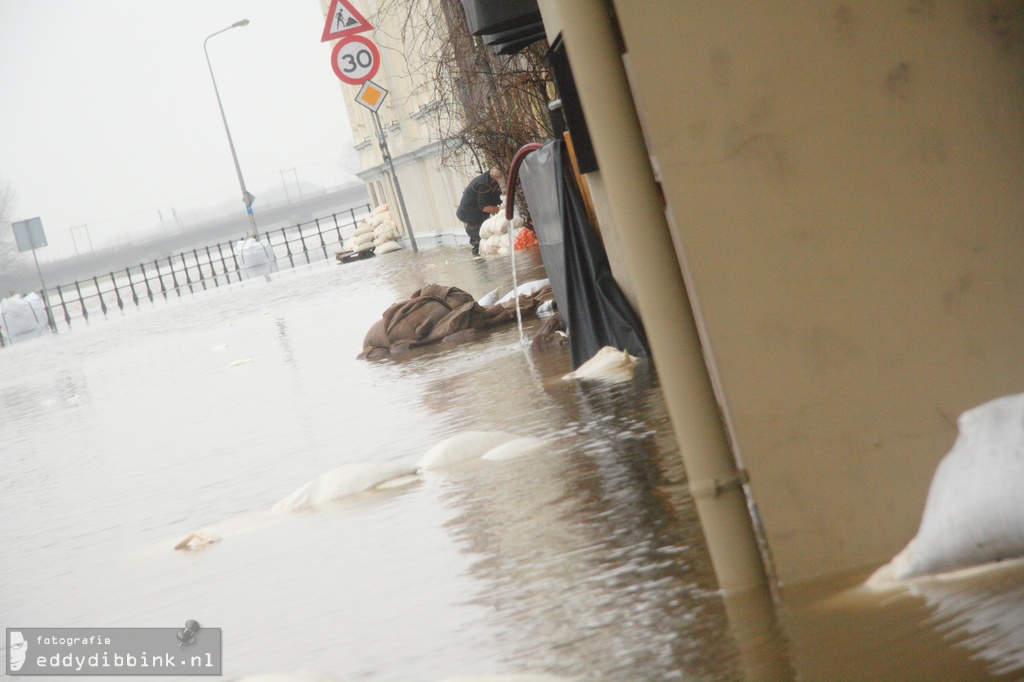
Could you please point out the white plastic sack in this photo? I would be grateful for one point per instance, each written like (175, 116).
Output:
(388, 247)
(489, 299)
(520, 447)
(608, 364)
(342, 482)
(525, 289)
(489, 245)
(462, 447)
(23, 317)
(255, 258)
(974, 513)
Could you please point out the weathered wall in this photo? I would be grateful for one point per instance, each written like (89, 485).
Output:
(430, 192)
(844, 185)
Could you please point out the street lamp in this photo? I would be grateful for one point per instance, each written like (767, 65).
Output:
(247, 198)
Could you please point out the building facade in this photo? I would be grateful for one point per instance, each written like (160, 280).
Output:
(408, 122)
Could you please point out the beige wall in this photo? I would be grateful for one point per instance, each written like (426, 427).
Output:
(844, 188)
(430, 192)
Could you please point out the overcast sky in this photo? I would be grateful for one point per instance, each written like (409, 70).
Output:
(108, 113)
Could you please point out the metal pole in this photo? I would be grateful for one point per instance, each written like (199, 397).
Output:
(247, 198)
(287, 196)
(662, 297)
(46, 297)
(394, 178)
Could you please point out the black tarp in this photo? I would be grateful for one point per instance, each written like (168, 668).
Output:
(594, 309)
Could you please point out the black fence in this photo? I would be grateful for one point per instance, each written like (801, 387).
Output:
(196, 270)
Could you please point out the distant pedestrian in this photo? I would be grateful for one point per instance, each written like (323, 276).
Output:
(479, 202)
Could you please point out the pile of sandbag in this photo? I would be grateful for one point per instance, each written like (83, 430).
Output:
(255, 258)
(376, 231)
(494, 234)
(23, 317)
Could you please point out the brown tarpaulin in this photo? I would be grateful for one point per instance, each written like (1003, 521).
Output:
(438, 313)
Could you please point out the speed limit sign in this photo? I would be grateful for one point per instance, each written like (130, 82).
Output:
(355, 59)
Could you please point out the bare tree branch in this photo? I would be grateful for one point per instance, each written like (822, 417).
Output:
(484, 106)
(8, 200)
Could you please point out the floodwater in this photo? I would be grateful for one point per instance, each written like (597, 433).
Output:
(121, 437)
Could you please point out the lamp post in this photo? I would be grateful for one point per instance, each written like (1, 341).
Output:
(247, 198)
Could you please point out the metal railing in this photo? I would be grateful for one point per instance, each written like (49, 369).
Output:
(200, 268)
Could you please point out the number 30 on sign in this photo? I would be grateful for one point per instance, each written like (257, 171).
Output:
(355, 60)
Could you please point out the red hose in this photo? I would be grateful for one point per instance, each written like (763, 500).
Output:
(513, 175)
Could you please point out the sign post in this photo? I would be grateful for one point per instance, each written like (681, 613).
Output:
(29, 236)
(355, 60)
(372, 96)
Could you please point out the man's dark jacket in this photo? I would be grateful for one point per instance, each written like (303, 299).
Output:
(482, 191)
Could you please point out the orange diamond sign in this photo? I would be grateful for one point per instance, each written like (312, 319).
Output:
(371, 95)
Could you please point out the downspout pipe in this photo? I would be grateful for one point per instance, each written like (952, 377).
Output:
(513, 176)
(662, 299)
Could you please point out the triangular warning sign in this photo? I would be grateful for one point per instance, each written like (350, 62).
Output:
(343, 20)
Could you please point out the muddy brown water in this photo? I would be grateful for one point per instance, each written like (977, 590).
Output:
(121, 437)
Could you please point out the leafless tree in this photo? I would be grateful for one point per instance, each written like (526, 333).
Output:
(484, 106)
(8, 248)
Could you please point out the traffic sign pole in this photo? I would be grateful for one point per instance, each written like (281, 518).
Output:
(385, 152)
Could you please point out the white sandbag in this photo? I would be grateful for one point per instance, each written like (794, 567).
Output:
(520, 447)
(359, 248)
(364, 238)
(386, 234)
(361, 231)
(974, 512)
(33, 299)
(255, 258)
(495, 225)
(487, 246)
(525, 289)
(489, 299)
(388, 247)
(342, 482)
(201, 539)
(383, 208)
(23, 317)
(608, 364)
(462, 447)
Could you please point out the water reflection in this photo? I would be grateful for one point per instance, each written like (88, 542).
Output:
(121, 437)
(927, 629)
(983, 614)
(588, 555)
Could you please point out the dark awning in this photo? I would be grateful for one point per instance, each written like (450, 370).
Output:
(496, 16)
